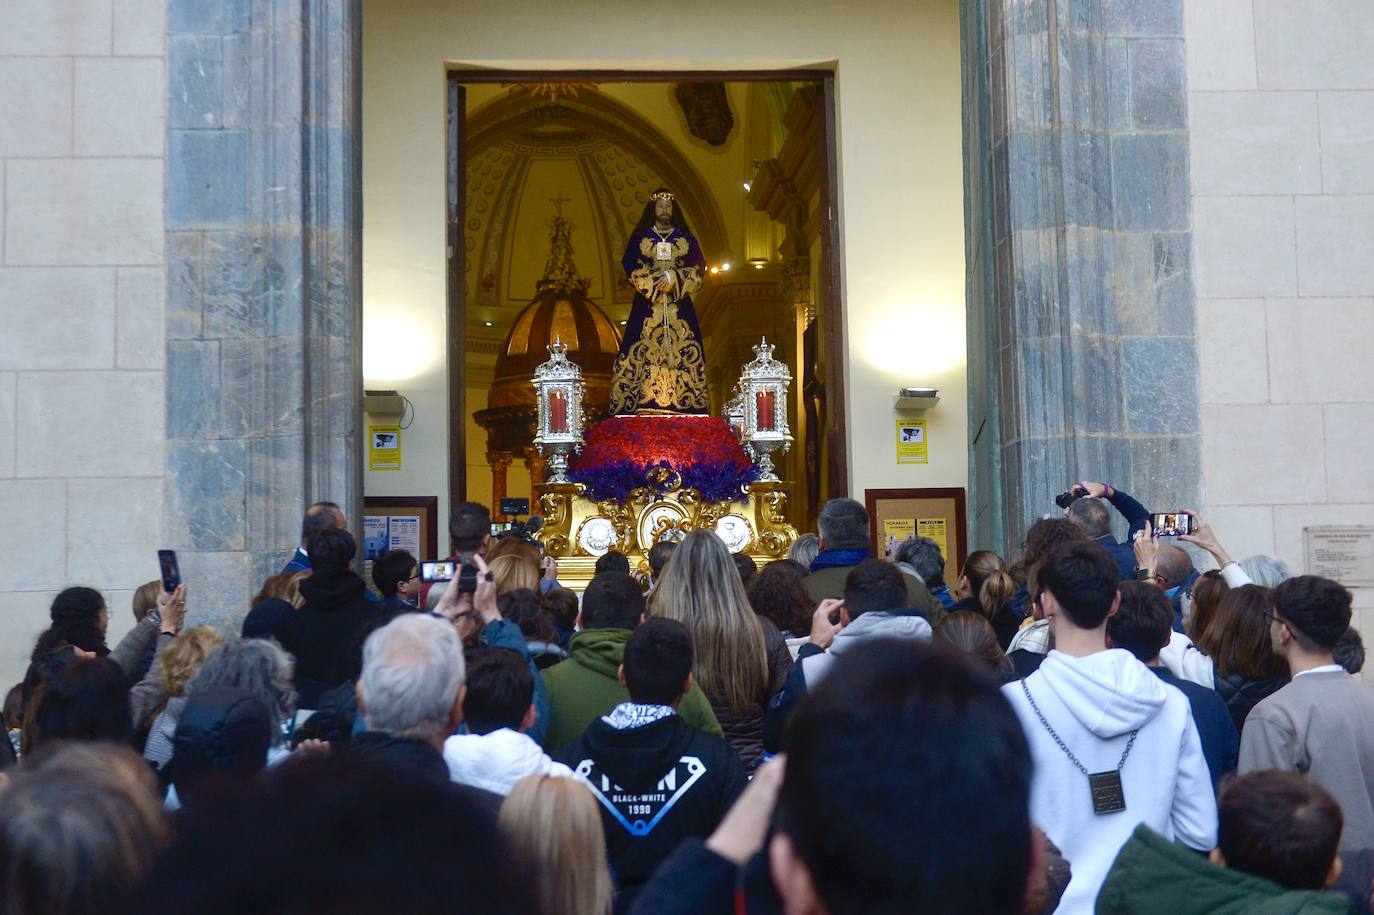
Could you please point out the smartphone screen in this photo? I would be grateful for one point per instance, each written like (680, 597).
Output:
(171, 572)
(437, 571)
(1171, 524)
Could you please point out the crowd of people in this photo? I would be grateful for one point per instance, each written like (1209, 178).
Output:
(1097, 725)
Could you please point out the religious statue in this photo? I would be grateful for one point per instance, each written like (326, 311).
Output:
(661, 367)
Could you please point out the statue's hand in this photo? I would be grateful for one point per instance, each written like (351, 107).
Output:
(665, 282)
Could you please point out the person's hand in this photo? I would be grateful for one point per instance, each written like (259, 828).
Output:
(171, 609)
(1146, 549)
(1094, 490)
(823, 629)
(484, 598)
(313, 745)
(741, 834)
(1203, 536)
(550, 566)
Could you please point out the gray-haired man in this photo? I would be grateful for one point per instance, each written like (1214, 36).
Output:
(410, 695)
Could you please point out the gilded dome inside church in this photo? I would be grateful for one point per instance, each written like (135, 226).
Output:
(560, 310)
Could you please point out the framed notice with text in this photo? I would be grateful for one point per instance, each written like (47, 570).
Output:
(940, 514)
(400, 523)
(1343, 554)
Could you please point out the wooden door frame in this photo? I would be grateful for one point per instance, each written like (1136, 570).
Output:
(835, 352)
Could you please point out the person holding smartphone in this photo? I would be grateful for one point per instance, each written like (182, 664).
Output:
(1089, 511)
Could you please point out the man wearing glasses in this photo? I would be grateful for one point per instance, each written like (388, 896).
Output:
(1321, 724)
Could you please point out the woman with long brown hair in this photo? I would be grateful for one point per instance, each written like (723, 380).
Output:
(986, 588)
(1237, 641)
(741, 659)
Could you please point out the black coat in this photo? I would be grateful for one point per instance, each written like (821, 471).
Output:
(657, 784)
(326, 635)
(1241, 695)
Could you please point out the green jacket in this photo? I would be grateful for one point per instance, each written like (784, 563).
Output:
(1153, 876)
(585, 687)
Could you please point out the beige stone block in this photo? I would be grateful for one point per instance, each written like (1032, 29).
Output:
(1319, 350)
(1263, 454)
(1347, 122)
(55, 27)
(1335, 238)
(8, 386)
(84, 212)
(1290, 541)
(1244, 246)
(1317, 44)
(23, 617)
(57, 318)
(1243, 529)
(1221, 44)
(1349, 445)
(33, 548)
(140, 325)
(35, 106)
(139, 26)
(120, 106)
(1231, 351)
(91, 424)
(1254, 143)
(114, 530)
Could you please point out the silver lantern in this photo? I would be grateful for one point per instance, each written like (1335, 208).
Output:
(765, 382)
(558, 390)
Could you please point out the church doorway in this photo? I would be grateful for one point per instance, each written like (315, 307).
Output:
(547, 174)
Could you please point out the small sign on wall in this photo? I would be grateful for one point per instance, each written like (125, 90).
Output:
(383, 447)
(911, 441)
(1343, 554)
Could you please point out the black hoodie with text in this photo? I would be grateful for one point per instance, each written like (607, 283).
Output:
(657, 784)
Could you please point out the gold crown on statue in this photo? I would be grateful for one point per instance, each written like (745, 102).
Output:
(661, 195)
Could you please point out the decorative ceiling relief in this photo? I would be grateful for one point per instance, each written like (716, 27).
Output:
(594, 151)
(707, 109)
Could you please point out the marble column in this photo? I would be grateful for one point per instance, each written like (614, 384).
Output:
(1082, 351)
(263, 286)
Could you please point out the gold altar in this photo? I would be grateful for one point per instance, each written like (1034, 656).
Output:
(578, 530)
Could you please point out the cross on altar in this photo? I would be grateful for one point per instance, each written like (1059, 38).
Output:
(559, 201)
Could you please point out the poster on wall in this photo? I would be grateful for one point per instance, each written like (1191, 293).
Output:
(936, 529)
(383, 447)
(382, 533)
(895, 530)
(911, 441)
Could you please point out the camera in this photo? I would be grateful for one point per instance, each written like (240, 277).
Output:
(1065, 499)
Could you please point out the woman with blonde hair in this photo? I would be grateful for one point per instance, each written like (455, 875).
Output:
(513, 571)
(554, 825)
(986, 587)
(741, 659)
(180, 661)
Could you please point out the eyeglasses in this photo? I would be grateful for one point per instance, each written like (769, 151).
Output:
(415, 576)
(1270, 617)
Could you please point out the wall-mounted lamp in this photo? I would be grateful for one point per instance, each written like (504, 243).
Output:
(383, 403)
(916, 398)
(758, 263)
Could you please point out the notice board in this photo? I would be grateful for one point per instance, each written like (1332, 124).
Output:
(936, 513)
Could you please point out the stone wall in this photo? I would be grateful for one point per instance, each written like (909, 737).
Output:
(82, 115)
(1081, 334)
(1281, 99)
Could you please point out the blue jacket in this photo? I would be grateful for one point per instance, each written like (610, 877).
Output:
(1136, 515)
(1220, 739)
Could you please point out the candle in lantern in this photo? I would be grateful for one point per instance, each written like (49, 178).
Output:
(558, 412)
(763, 406)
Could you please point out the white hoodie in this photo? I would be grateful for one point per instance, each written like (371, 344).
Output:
(1093, 704)
(496, 761)
(876, 624)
